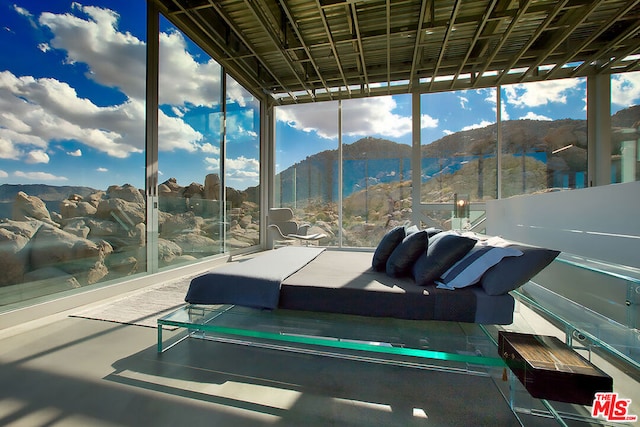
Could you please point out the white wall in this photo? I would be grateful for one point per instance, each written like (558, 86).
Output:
(599, 222)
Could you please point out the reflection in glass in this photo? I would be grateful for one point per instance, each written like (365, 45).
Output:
(458, 153)
(306, 177)
(376, 169)
(242, 167)
(625, 127)
(72, 163)
(189, 141)
(544, 136)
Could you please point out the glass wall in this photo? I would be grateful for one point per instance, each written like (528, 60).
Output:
(72, 138)
(376, 167)
(544, 136)
(189, 150)
(72, 150)
(306, 166)
(242, 167)
(458, 155)
(625, 127)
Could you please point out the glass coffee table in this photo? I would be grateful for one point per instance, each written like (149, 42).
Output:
(459, 347)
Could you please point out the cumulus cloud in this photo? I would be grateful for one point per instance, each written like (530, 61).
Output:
(102, 170)
(3, 174)
(38, 111)
(533, 116)
(625, 89)
(39, 176)
(482, 124)
(44, 110)
(426, 121)
(77, 153)
(210, 148)
(242, 165)
(361, 117)
(213, 163)
(540, 93)
(36, 156)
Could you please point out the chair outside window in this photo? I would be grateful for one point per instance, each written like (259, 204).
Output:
(283, 230)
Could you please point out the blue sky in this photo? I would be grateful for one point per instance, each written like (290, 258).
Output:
(72, 103)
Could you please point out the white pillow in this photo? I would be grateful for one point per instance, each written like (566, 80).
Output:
(469, 270)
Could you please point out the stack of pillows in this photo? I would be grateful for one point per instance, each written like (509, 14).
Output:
(452, 260)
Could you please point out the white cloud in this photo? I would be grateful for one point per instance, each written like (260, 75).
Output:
(77, 153)
(210, 148)
(39, 176)
(102, 170)
(36, 156)
(44, 47)
(244, 164)
(482, 124)
(213, 163)
(463, 102)
(45, 110)
(361, 117)
(625, 89)
(426, 121)
(3, 174)
(532, 95)
(533, 116)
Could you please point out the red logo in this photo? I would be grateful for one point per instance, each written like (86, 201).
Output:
(612, 408)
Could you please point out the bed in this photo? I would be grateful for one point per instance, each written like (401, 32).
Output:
(315, 279)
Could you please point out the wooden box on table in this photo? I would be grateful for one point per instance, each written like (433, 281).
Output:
(549, 369)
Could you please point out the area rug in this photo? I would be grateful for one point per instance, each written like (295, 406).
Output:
(144, 307)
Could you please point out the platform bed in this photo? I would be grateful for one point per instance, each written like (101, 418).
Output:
(322, 281)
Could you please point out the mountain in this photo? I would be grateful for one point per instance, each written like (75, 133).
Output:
(556, 145)
(45, 192)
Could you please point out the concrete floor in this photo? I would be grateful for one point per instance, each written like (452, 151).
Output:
(80, 372)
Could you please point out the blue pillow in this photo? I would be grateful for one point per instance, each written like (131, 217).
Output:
(405, 255)
(386, 246)
(513, 272)
(472, 266)
(445, 249)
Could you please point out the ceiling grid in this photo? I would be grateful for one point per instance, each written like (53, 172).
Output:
(302, 51)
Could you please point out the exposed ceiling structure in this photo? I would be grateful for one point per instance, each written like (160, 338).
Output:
(307, 50)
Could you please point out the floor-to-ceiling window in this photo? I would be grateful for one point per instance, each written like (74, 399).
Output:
(72, 138)
(376, 167)
(544, 136)
(242, 167)
(625, 127)
(306, 165)
(458, 156)
(189, 150)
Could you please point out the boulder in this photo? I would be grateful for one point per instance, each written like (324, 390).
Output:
(193, 243)
(77, 227)
(51, 246)
(168, 251)
(27, 207)
(73, 209)
(212, 187)
(181, 223)
(125, 213)
(126, 192)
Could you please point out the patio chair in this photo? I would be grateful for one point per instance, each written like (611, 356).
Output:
(283, 230)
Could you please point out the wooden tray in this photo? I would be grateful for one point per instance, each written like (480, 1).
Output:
(549, 369)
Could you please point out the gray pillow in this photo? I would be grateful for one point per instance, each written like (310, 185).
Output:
(404, 256)
(445, 249)
(473, 265)
(386, 246)
(513, 272)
